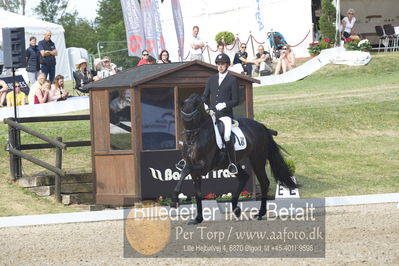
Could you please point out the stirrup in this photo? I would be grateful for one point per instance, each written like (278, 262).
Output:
(232, 168)
(181, 164)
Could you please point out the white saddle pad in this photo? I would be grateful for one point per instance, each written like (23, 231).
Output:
(240, 141)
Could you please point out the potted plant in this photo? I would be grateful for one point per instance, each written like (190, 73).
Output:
(225, 37)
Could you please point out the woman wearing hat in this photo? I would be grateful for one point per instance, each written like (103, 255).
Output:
(82, 75)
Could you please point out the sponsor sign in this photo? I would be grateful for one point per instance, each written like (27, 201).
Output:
(159, 177)
(18, 78)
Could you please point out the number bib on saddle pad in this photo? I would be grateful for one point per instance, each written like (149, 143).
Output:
(240, 143)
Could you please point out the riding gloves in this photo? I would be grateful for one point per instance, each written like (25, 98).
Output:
(220, 106)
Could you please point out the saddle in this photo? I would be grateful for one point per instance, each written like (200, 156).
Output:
(237, 136)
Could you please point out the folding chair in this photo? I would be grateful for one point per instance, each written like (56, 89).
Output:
(392, 37)
(382, 37)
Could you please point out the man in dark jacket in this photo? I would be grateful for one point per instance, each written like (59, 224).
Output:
(32, 60)
(48, 52)
(221, 93)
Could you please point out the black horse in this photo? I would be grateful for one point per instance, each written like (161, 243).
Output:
(202, 155)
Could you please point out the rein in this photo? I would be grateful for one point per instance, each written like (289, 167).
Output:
(192, 133)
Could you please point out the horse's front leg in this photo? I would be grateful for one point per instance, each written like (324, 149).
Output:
(198, 197)
(242, 181)
(185, 172)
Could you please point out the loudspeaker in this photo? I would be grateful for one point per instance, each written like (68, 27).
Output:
(14, 47)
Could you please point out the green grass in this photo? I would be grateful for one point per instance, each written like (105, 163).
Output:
(340, 125)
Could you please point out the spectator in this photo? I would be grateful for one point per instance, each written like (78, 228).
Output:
(20, 99)
(32, 91)
(164, 57)
(348, 24)
(145, 58)
(57, 92)
(286, 62)
(263, 62)
(48, 53)
(196, 45)
(97, 69)
(82, 75)
(3, 92)
(41, 95)
(33, 60)
(241, 58)
(107, 68)
(220, 48)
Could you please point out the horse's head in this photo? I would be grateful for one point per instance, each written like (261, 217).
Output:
(193, 111)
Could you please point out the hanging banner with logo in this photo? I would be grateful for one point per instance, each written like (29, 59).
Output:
(134, 26)
(152, 27)
(179, 26)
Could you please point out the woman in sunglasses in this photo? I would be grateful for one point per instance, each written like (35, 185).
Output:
(20, 96)
(286, 62)
(145, 58)
(348, 24)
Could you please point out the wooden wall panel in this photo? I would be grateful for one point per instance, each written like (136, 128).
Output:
(100, 120)
(115, 178)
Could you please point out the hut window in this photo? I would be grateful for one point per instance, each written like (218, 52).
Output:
(120, 122)
(158, 119)
(239, 110)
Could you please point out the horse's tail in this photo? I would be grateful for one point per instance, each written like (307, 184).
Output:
(279, 167)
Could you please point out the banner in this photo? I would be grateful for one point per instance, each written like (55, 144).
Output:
(134, 26)
(152, 27)
(179, 26)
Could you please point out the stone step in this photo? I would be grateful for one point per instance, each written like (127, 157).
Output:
(77, 198)
(48, 180)
(65, 189)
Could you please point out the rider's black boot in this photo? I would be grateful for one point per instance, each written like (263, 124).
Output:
(232, 157)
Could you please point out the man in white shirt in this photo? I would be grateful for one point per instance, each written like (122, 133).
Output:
(196, 45)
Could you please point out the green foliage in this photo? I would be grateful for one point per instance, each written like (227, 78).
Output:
(327, 20)
(10, 5)
(51, 10)
(225, 36)
(76, 28)
(316, 47)
(357, 45)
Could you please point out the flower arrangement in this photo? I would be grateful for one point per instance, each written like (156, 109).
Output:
(225, 197)
(163, 201)
(316, 47)
(355, 44)
(210, 196)
(245, 195)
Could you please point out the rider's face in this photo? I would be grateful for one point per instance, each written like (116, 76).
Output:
(222, 67)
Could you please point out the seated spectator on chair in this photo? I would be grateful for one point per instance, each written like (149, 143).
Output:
(82, 76)
(57, 91)
(164, 57)
(107, 69)
(241, 57)
(3, 92)
(220, 48)
(97, 65)
(145, 58)
(20, 99)
(41, 94)
(286, 62)
(263, 62)
(32, 91)
(348, 24)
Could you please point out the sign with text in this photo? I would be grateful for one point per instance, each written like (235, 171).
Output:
(284, 192)
(159, 177)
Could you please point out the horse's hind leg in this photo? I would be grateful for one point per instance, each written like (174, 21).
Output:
(258, 164)
(242, 181)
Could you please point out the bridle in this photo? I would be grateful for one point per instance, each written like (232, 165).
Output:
(192, 133)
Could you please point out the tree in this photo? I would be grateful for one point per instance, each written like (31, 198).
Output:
(51, 10)
(79, 32)
(10, 5)
(327, 20)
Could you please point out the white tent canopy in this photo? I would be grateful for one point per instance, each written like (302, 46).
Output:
(292, 18)
(36, 27)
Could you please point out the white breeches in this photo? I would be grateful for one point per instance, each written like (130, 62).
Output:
(227, 127)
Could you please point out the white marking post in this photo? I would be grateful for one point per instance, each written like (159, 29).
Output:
(284, 192)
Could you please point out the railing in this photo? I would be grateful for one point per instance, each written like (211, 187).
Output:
(14, 146)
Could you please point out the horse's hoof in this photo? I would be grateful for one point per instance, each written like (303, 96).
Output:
(237, 212)
(195, 221)
(259, 215)
(174, 204)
